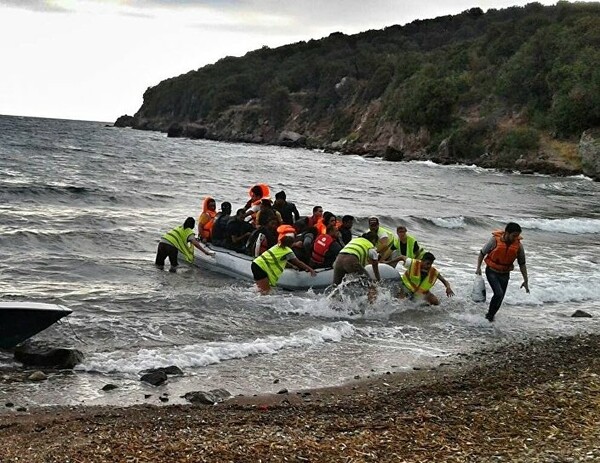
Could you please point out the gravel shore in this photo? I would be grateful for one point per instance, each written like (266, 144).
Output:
(532, 402)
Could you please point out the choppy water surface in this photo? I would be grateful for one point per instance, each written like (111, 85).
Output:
(82, 207)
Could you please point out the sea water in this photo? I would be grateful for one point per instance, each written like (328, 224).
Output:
(83, 205)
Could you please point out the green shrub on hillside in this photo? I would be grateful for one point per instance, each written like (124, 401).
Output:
(538, 61)
(519, 141)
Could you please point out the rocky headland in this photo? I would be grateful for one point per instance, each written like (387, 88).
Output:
(512, 89)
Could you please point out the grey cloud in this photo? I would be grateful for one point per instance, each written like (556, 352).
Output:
(216, 4)
(34, 5)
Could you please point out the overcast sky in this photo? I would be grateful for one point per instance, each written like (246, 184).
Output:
(93, 59)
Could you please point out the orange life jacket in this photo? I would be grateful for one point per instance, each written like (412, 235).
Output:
(266, 191)
(206, 220)
(284, 230)
(266, 194)
(502, 257)
(320, 248)
(320, 226)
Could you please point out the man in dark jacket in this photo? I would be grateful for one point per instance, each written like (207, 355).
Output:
(238, 232)
(219, 229)
(288, 211)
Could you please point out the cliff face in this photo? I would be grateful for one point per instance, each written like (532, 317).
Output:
(511, 89)
(589, 150)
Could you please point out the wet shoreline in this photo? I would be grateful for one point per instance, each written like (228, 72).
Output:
(530, 401)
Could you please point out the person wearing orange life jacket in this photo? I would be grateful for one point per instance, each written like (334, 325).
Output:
(269, 266)
(256, 193)
(323, 223)
(315, 217)
(500, 253)
(419, 278)
(206, 220)
(326, 248)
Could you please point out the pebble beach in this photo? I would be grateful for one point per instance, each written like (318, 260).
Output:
(537, 401)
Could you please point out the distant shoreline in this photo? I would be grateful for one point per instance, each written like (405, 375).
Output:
(548, 166)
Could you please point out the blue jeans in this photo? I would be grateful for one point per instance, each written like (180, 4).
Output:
(498, 282)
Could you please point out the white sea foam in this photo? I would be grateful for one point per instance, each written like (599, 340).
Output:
(199, 355)
(555, 292)
(449, 222)
(572, 226)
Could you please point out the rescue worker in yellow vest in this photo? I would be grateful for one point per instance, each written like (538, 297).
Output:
(385, 238)
(180, 239)
(419, 278)
(500, 253)
(268, 267)
(355, 255)
(405, 245)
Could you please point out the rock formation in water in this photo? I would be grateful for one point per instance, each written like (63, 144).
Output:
(589, 150)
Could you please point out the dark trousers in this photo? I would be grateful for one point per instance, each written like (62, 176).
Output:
(498, 282)
(166, 250)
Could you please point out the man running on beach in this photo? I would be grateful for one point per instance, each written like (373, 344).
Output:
(500, 253)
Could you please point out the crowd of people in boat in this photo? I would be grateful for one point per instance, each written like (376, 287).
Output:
(276, 235)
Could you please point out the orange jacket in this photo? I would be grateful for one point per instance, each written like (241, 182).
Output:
(502, 257)
(320, 226)
(266, 191)
(285, 230)
(206, 220)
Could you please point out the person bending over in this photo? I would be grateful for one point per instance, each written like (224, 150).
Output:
(269, 266)
(180, 239)
(419, 278)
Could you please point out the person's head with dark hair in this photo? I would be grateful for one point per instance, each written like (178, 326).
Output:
(512, 227)
(266, 204)
(429, 257)
(256, 192)
(512, 231)
(190, 222)
(226, 207)
(286, 241)
(327, 218)
(240, 214)
(347, 222)
(280, 199)
(371, 236)
(426, 262)
(373, 224)
(318, 211)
